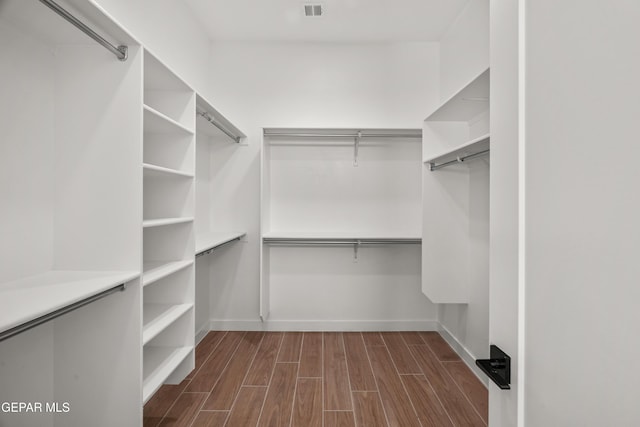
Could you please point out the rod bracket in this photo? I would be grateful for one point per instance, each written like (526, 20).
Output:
(356, 245)
(124, 50)
(356, 146)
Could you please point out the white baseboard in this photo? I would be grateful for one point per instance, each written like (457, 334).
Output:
(202, 332)
(323, 325)
(464, 353)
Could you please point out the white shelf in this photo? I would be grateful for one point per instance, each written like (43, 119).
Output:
(469, 148)
(165, 221)
(154, 170)
(322, 235)
(467, 103)
(211, 240)
(157, 317)
(27, 299)
(156, 122)
(154, 271)
(159, 363)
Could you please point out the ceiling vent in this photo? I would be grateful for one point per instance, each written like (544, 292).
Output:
(312, 10)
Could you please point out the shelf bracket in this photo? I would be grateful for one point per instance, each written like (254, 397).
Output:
(356, 146)
(497, 367)
(355, 250)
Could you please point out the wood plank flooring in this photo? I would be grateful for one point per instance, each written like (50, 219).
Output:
(322, 379)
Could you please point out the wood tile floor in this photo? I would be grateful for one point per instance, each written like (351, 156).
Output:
(316, 379)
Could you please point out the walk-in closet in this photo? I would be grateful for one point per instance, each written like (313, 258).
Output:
(334, 213)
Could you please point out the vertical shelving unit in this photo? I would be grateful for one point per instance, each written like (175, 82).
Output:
(217, 143)
(70, 240)
(168, 227)
(456, 144)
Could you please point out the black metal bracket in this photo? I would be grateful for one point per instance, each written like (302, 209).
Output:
(497, 367)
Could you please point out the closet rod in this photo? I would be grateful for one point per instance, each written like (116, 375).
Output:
(120, 51)
(434, 167)
(211, 120)
(208, 251)
(57, 313)
(343, 135)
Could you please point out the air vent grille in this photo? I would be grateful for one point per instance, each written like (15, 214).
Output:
(313, 10)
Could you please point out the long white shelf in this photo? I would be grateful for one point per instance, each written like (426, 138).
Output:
(468, 148)
(158, 364)
(156, 122)
(154, 170)
(165, 221)
(27, 299)
(157, 317)
(211, 240)
(465, 104)
(324, 235)
(156, 270)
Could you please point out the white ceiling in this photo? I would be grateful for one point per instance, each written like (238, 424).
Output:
(343, 21)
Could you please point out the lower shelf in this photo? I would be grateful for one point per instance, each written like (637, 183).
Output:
(159, 363)
(158, 317)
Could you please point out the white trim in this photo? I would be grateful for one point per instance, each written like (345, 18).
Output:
(522, 236)
(202, 332)
(323, 325)
(467, 357)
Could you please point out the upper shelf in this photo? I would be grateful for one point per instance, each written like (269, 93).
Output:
(208, 241)
(467, 103)
(156, 122)
(27, 299)
(211, 123)
(37, 19)
(339, 237)
(341, 133)
(460, 152)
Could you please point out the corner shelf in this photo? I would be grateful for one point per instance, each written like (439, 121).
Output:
(208, 241)
(158, 317)
(147, 223)
(159, 171)
(467, 103)
(159, 363)
(156, 122)
(154, 271)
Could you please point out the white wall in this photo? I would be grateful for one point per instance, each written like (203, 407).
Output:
(26, 220)
(505, 407)
(464, 49)
(582, 210)
(464, 54)
(325, 85)
(170, 31)
(305, 85)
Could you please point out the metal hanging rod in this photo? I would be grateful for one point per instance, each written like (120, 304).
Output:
(211, 120)
(434, 166)
(363, 134)
(120, 51)
(57, 313)
(208, 251)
